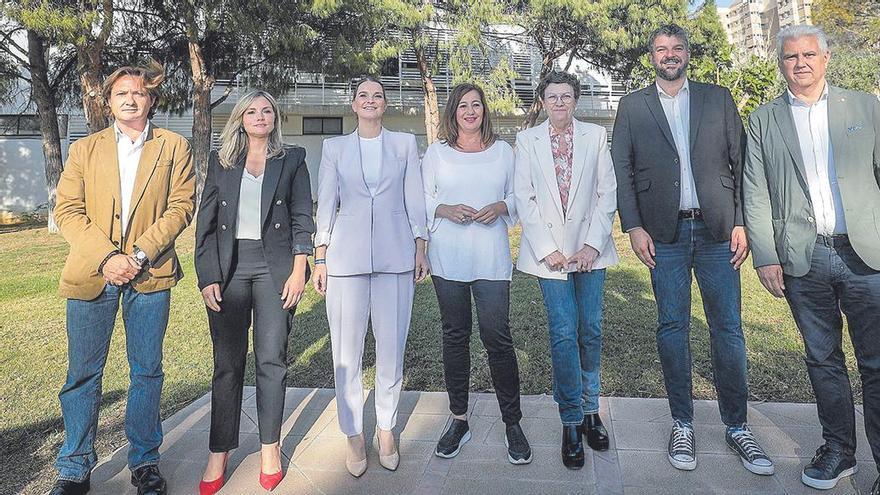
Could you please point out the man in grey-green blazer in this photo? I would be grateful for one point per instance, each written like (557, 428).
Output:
(811, 204)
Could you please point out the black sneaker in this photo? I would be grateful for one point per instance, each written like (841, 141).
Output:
(68, 487)
(681, 451)
(455, 436)
(518, 450)
(827, 467)
(741, 440)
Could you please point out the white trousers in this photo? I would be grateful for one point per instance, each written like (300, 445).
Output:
(386, 300)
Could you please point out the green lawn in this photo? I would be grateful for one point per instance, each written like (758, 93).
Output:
(33, 349)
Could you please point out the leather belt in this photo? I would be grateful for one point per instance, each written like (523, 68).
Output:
(833, 241)
(692, 214)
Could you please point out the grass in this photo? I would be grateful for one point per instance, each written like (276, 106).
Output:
(33, 356)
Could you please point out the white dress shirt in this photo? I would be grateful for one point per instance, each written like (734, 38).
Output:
(811, 122)
(128, 153)
(250, 193)
(470, 251)
(678, 114)
(371, 161)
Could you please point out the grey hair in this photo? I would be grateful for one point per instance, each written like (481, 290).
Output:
(799, 31)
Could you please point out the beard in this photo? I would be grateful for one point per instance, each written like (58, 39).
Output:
(670, 74)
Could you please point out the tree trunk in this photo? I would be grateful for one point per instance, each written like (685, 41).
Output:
(203, 83)
(532, 115)
(45, 100)
(432, 109)
(90, 70)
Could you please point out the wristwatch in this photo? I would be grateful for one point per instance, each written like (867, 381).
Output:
(140, 257)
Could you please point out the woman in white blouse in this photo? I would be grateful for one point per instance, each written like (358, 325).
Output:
(369, 251)
(468, 178)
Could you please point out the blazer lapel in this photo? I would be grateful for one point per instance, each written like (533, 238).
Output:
(271, 174)
(579, 158)
(232, 182)
(147, 164)
(837, 119)
(545, 162)
(354, 146)
(107, 147)
(696, 112)
(782, 115)
(653, 101)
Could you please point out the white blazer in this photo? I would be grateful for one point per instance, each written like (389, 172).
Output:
(365, 232)
(592, 199)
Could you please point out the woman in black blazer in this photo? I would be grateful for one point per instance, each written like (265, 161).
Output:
(252, 238)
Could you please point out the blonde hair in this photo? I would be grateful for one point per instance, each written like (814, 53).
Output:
(151, 74)
(233, 139)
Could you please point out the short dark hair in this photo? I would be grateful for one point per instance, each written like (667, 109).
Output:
(449, 124)
(559, 77)
(670, 30)
(356, 83)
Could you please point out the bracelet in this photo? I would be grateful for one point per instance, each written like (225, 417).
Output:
(320, 261)
(106, 259)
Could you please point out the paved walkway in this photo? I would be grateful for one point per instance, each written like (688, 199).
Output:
(314, 451)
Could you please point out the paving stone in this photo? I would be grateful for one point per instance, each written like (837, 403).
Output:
(650, 472)
(490, 462)
(496, 486)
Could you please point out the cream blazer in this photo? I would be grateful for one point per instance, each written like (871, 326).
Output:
(364, 232)
(592, 200)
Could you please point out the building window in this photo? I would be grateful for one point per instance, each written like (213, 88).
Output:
(322, 126)
(20, 125)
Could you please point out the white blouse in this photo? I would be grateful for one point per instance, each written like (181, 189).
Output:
(250, 193)
(472, 251)
(371, 161)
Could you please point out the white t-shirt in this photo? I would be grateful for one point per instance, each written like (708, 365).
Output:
(249, 207)
(371, 161)
(472, 251)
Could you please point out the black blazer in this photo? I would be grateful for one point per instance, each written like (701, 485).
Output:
(286, 213)
(647, 164)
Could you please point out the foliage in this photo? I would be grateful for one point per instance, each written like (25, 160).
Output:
(853, 28)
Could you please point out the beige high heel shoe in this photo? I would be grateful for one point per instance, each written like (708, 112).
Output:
(356, 467)
(390, 461)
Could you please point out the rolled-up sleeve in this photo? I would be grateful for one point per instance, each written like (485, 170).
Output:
(302, 225)
(414, 192)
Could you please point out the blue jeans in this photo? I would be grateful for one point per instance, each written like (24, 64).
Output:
(696, 250)
(574, 317)
(89, 327)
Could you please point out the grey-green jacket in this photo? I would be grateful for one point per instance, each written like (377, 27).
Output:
(777, 209)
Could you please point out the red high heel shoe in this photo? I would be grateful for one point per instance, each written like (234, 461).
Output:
(214, 486)
(270, 481)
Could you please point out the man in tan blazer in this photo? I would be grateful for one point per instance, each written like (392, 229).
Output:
(125, 195)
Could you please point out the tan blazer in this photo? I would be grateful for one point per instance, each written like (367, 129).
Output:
(592, 200)
(88, 210)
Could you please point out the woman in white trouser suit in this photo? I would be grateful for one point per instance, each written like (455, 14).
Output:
(369, 252)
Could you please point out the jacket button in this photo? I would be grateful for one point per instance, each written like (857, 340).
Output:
(676, 160)
(810, 219)
(117, 216)
(278, 202)
(549, 225)
(277, 225)
(223, 203)
(675, 183)
(222, 227)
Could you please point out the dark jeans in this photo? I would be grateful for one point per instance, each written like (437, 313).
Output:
(492, 298)
(250, 290)
(89, 327)
(695, 250)
(839, 280)
(574, 320)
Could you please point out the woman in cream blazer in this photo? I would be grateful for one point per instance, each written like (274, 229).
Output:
(565, 192)
(370, 249)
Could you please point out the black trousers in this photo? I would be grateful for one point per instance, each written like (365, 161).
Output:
(492, 298)
(250, 291)
(839, 280)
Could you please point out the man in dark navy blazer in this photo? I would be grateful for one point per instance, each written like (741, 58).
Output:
(677, 150)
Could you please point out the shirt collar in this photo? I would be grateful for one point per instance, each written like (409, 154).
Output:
(663, 94)
(795, 101)
(568, 131)
(139, 141)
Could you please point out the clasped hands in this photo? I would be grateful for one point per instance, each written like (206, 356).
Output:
(120, 269)
(464, 214)
(583, 260)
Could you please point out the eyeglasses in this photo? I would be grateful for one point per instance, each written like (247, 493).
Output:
(564, 98)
